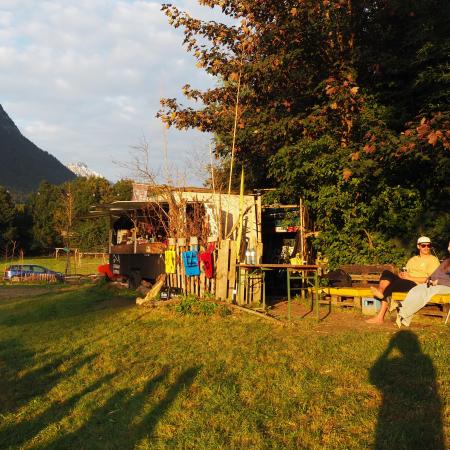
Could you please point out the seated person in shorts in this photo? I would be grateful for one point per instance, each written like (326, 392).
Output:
(418, 269)
(419, 296)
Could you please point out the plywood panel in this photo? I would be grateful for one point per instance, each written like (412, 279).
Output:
(223, 257)
(232, 270)
(257, 282)
(180, 268)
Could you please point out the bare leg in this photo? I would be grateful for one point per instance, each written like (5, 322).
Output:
(383, 285)
(378, 292)
(379, 318)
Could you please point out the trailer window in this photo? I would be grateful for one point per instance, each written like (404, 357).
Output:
(196, 220)
(154, 221)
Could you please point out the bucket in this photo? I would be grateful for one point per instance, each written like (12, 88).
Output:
(370, 306)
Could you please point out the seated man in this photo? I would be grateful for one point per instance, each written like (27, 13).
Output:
(419, 296)
(418, 269)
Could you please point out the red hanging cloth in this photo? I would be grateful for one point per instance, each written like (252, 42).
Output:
(206, 259)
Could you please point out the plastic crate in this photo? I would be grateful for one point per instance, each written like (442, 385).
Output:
(370, 306)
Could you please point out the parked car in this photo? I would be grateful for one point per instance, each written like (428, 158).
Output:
(31, 271)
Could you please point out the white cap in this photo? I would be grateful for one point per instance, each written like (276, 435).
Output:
(424, 240)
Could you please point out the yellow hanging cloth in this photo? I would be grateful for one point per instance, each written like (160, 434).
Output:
(296, 261)
(170, 261)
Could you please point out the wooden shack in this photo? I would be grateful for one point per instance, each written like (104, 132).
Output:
(159, 218)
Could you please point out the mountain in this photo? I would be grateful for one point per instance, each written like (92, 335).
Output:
(80, 169)
(23, 164)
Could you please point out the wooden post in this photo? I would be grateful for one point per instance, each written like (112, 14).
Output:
(258, 206)
(223, 257)
(110, 238)
(257, 284)
(180, 267)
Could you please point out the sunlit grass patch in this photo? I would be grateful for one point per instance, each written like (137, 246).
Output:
(84, 266)
(86, 368)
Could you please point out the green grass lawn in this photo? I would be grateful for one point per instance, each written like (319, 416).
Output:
(86, 266)
(83, 367)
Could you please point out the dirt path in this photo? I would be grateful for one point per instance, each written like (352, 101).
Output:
(338, 321)
(342, 320)
(11, 291)
(21, 291)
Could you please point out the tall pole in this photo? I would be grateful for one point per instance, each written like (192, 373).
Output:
(69, 225)
(241, 217)
(212, 168)
(166, 156)
(233, 145)
(302, 248)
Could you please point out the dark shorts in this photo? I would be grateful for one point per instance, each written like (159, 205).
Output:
(396, 284)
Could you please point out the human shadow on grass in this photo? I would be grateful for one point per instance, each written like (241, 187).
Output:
(147, 426)
(17, 390)
(17, 434)
(410, 416)
(122, 421)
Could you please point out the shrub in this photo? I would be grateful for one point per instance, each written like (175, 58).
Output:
(191, 305)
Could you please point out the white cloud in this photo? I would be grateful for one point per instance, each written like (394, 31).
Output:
(42, 128)
(5, 18)
(83, 78)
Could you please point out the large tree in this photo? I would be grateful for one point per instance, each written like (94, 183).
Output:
(341, 102)
(8, 230)
(44, 204)
(91, 234)
(62, 211)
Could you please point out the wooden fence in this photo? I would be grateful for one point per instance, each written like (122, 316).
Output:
(36, 277)
(224, 284)
(197, 285)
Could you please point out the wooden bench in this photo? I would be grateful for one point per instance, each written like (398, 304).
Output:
(443, 300)
(346, 296)
(365, 275)
(352, 297)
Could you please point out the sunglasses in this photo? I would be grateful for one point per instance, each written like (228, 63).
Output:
(425, 245)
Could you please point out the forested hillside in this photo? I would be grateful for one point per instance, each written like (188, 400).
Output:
(341, 102)
(24, 165)
(53, 213)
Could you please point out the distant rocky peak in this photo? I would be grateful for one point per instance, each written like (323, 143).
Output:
(24, 165)
(81, 169)
(6, 123)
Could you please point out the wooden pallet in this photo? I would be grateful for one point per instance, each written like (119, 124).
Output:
(367, 274)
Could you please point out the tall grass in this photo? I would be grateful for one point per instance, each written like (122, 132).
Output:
(86, 368)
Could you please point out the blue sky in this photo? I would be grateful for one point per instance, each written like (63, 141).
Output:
(82, 79)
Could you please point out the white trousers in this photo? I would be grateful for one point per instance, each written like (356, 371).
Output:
(417, 298)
